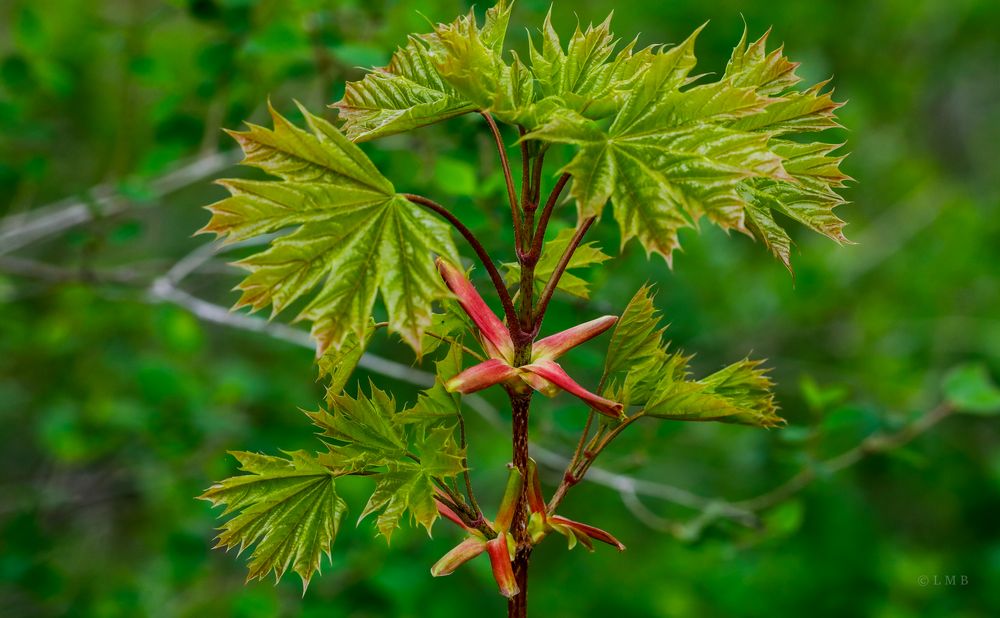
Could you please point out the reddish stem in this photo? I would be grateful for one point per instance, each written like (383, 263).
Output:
(550, 287)
(515, 210)
(543, 220)
(484, 257)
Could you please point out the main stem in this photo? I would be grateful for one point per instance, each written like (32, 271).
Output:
(517, 606)
(523, 323)
(520, 404)
(523, 333)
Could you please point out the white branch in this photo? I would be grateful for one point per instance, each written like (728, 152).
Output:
(165, 289)
(18, 231)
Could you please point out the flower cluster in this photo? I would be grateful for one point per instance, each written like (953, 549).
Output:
(542, 373)
(502, 547)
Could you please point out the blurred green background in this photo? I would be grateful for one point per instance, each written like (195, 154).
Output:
(117, 402)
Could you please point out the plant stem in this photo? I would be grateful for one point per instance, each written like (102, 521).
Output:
(550, 287)
(484, 257)
(543, 220)
(515, 210)
(465, 348)
(517, 606)
(592, 454)
(583, 437)
(584, 459)
(465, 468)
(536, 182)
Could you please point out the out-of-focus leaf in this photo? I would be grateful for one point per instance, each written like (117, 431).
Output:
(970, 389)
(455, 176)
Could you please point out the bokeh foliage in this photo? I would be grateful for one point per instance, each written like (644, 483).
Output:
(115, 410)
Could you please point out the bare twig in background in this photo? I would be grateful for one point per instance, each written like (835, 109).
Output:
(873, 444)
(21, 230)
(631, 490)
(57, 274)
(743, 512)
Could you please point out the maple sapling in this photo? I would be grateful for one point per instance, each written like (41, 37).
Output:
(665, 147)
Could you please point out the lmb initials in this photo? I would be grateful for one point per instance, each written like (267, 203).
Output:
(949, 580)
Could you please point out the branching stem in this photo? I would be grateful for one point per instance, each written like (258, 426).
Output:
(515, 209)
(465, 467)
(550, 287)
(543, 220)
(484, 257)
(583, 460)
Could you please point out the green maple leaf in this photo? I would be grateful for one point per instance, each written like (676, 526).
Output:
(368, 436)
(638, 360)
(585, 77)
(407, 94)
(412, 90)
(470, 59)
(740, 393)
(637, 338)
(435, 404)
(646, 373)
(810, 200)
(409, 485)
(287, 509)
(675, 152)
(586, 254)
(337, 365)
(353, 237)
(365, 429)
(449, 324)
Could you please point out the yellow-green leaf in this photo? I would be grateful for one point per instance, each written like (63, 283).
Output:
(675, 153)
(353, 238)
(587, 254)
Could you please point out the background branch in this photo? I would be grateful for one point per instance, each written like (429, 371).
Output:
(166, 288)
(20, 230)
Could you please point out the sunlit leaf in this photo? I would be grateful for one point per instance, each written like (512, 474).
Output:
(675, 152)
(353, 238)
(587, 77)
(406, 94)
(740, 393)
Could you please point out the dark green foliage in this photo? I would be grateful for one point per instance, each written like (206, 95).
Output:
(114, 410)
